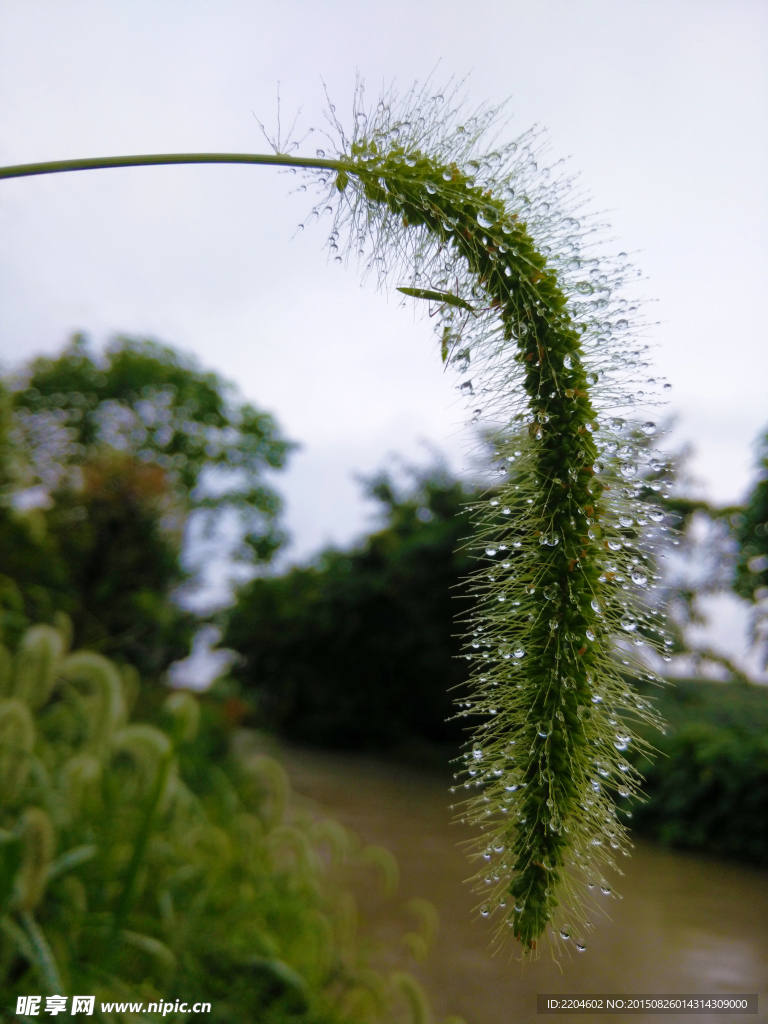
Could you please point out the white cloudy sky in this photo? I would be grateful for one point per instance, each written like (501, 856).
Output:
(661, 105)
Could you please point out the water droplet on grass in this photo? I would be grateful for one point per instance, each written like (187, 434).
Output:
(487, 217)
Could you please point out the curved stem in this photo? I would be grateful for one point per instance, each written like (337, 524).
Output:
(153, 159)
(44, 958)
(142, 840)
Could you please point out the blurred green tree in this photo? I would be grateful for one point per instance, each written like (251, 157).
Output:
(108, 460)
(751, 533)
(358, 650)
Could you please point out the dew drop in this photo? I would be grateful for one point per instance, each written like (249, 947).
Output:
(629, 623)
(649, 428)
(486, 217)
(580, 946)
(490, 552)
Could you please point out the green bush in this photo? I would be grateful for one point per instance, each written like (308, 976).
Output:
(359, 650)
(708, 788)
(140, 863)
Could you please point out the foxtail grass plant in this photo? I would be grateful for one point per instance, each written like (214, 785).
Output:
(135, 866)
(542, 326)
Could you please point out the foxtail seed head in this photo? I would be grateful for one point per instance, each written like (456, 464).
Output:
(505, 256)
(17, 740)
(37, 664)
(38, 842)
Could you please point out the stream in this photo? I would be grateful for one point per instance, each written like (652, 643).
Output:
(684, 923)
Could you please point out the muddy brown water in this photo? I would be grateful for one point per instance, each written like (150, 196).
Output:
(684, 924)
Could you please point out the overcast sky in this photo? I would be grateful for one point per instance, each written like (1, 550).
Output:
(661, 107)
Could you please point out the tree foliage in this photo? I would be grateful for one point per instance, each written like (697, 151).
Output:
(148, 400)
(709, 789)
(751, 531)
(359, 649)
(118, 452)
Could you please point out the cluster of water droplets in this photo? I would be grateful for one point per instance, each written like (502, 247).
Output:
(504, 632)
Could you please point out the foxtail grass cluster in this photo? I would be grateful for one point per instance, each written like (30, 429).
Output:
(135, 865)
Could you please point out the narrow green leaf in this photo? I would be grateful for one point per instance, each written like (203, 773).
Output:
(44, 958)
(71, 859)
(433, 296)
